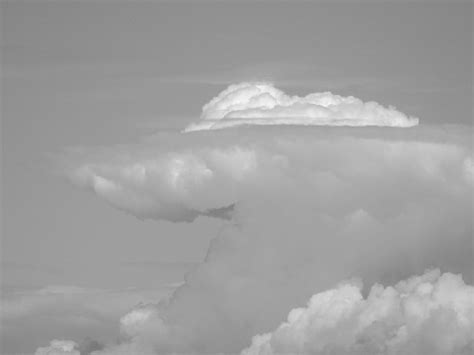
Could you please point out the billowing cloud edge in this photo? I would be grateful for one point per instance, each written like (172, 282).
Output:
(428, 314)
(180, 177)
(260, 103)
(59, 347)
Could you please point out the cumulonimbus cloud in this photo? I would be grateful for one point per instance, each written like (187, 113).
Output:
(263, 104)
(311, 206)
(306, 207)
(427, 314)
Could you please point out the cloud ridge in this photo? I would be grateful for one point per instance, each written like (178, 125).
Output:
(261, 103)
(59, 347)
(427, 314)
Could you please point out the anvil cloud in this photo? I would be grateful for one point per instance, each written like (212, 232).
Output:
(303, 208)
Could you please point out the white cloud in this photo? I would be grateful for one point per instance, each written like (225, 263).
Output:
(307, 207)
(311, 206)
(131, 323)
(59, 347)
(428, 314)
(179, 177)
(263, 104)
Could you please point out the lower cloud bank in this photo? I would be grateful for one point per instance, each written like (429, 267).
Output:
(427, 314)
(431, 314)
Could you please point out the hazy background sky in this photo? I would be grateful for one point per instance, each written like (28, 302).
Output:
(93, 73)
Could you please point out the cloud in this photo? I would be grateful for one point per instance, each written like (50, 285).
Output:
(302, 208)
(67, 312)
(263, 104)
(427, 314)
(179, 177)
(311, 206)
(59, 347)
(131, 323)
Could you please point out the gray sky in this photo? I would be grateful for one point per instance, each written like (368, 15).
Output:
(99, 73)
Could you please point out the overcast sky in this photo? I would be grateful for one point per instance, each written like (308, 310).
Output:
(84, 73)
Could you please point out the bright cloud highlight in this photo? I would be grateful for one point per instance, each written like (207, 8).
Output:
(59, 347)
(263, 104)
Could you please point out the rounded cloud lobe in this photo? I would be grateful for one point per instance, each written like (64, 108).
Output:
(263, 104)
(309, 207)
(132, 322)
(59, 347)
(428, 314)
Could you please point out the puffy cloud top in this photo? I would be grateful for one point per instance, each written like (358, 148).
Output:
(428, 314)
(132, 322)
(263, 104)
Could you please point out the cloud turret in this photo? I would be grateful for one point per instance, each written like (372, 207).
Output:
(263, 104)
(427, 314)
